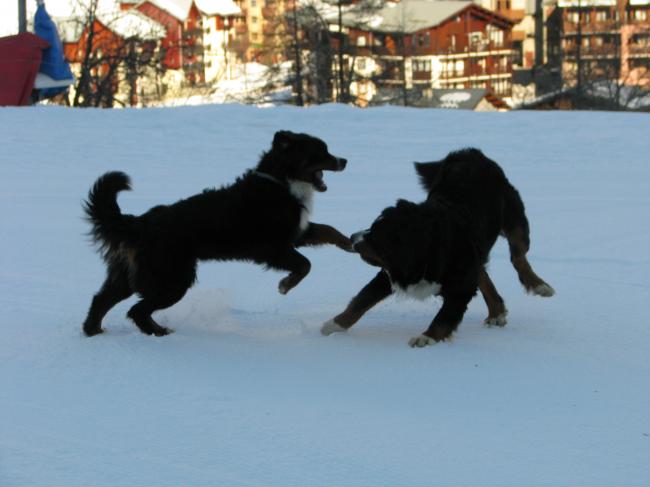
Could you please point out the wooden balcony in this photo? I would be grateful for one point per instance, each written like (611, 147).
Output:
(421, 75)
(515, 14)
(608, 51)
(639, 50)
(269, 11)
(605, 26)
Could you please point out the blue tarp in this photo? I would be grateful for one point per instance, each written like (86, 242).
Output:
(53, 64)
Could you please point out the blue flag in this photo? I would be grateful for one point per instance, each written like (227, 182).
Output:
(53, 63)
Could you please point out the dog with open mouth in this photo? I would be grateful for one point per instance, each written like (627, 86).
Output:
(441, 246)
(260, 218)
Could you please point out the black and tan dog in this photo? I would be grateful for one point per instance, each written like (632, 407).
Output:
(440, 247)
(260, 218)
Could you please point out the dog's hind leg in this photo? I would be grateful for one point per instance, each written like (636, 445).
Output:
(371, 294)
(497, 311)
(115, 289)
(519, 243)
(516, 230)
(141, 312)
(445, 322)
(293, 261)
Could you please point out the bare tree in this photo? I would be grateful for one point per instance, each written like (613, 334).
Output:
(111, 66)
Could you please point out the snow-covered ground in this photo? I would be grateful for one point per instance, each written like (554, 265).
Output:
(247, 392)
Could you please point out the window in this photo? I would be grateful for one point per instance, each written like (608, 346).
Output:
(640, 15)
(423, 39)
(495, 35)
(421, 65)
(574, 17)
(361, 41)
(253, 3)
(452, 41)
(254, 19)
(601, 16)
(361, 64)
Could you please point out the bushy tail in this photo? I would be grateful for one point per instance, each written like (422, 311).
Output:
(109, 226)
(428, 173)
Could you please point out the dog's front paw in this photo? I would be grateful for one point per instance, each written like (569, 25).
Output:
(161, 331)
(421, 341)
(91, 332)
(284, 286)
(330, 327)
(499, 320)
(543, 290)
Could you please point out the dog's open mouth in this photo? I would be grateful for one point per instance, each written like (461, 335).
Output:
(317, 181)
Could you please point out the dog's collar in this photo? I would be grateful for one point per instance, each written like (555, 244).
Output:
(269, 177)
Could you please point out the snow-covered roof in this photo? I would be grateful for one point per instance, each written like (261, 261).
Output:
(134, 23)
(408, 16)
(178, 8)
(218, 7)
(181, 8)
(586, 3)
(128, 23)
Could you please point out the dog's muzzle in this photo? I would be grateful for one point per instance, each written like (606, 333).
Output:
(357, 238)
(341, 163)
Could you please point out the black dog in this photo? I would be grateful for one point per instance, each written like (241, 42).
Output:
(260, 218)
(440, 247)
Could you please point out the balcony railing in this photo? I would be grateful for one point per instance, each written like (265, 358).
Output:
(421, 75)
(639, 50)
(571, 28)
(604, 52)
(269, 11)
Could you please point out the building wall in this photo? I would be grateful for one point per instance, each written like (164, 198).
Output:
(219, 59)
(607, 36)
(470, 50)
(172, 42)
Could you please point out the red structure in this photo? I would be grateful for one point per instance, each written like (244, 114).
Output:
(20, 58)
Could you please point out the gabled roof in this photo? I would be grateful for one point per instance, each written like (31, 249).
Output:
(128, 23)
(218, 7)
(409, 16)
(181, 8)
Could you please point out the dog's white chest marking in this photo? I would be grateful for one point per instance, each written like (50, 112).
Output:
(420, 290)
(304, 193)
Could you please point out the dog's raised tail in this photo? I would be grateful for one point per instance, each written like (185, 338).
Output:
(109, 226)
(428, 173)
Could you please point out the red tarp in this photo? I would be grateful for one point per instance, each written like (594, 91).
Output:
(20, 58)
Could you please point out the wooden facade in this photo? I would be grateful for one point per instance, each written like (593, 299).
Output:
(603, 37)
(470, 49)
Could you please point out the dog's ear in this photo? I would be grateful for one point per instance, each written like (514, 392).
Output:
(282, 139)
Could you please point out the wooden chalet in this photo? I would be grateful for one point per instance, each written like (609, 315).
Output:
(190, 25)
(429, 43)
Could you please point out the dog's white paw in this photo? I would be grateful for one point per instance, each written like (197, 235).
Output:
(330, 327)
(500, 320)
(543, 290)
(283, 287)
(421, 341)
